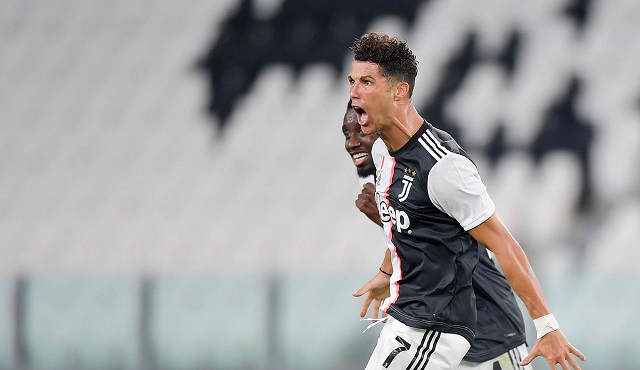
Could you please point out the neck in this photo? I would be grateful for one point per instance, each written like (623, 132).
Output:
(405, 123)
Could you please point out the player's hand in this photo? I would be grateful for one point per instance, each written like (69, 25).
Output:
(556, 349)
(366, 203)
(377, 289)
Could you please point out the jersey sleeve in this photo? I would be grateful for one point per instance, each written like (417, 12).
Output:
(455, 188)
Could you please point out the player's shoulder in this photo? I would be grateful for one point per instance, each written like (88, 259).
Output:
(379, 148)
(378, 152)
(454, 165)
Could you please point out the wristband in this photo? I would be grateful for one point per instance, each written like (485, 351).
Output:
(384, 272)
(545, 324)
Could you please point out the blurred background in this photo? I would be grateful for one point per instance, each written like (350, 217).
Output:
(175, 193)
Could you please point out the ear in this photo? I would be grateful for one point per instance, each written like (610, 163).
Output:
(401, 91)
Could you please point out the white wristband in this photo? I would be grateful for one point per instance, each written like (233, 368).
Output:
(545, 325)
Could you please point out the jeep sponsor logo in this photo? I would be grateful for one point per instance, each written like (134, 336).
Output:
(398, 217)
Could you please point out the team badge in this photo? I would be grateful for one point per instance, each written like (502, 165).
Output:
(407, 181)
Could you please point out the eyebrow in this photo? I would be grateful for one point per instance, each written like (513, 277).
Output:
(362, 77)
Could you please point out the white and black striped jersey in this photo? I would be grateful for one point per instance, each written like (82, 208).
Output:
(429, 195)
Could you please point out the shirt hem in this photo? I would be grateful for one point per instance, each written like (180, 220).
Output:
(495, 351)
(461, 330)
(485, 216)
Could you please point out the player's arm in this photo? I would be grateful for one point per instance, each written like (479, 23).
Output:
(553, 345)
(494, 235)
(455, 188)
(366, 203)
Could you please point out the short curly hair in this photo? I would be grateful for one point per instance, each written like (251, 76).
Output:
(397, 62)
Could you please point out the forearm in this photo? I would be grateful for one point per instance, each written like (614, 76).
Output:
(514, 263)
(386, 265)
(518, 271)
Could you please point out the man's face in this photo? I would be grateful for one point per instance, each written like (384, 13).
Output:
(358, 145)
(371, 96)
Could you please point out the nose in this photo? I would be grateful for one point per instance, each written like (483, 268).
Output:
(353, 90)
(352, 141)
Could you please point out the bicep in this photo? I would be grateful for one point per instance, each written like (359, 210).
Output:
(493, 234)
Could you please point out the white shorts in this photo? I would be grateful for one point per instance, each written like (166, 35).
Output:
(401, 347)
(506, 361)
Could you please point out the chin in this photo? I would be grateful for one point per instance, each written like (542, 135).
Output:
(368, 170)
(367, 130)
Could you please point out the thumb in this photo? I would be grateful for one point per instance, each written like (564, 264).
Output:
(527, 360)
(361, 291)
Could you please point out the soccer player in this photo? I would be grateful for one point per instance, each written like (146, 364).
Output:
(358, 145)
(435, 210)
(500, 339)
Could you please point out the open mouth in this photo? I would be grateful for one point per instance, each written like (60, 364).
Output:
(359, 158)
(362, 115)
